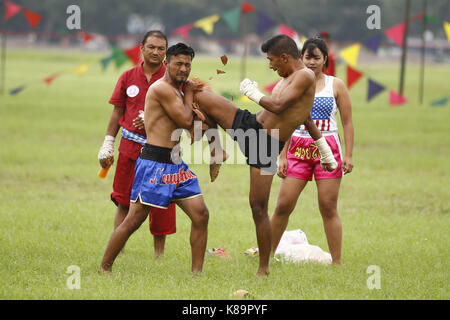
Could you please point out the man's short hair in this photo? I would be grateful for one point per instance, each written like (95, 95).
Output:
(281, 44)
(154, 33)
(180, 48)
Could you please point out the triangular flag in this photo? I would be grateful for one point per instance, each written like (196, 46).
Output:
(284, 29)
(32, 17)
(247, 7)
(440, 102)
(11, 9)
(232, 18)
(134, 54)
(106, 61)
(264, 23)
(80, 70)
(373, 43)
(396, 33)
(207, 24)
(119, 56)
(16, 90)
(352, 76)
(183, 30)
(431, 19)
(350, 54)
(86, 37)
(50, 78)
(269, 88)
(417, 17)
(374, 89)
(447, 29)
(396, 99)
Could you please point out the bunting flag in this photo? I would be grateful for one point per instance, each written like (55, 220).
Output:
(431, 19)
(352, 76)
(183, 30)
(86, 37)
(119, 56)
(447, 29)
(374, 89)
(106, 61)
(440, 102)
(269, 88)
(396, 99)
(134, 54)
(350, 54)
(284, 29)
(373, 43)
(15, 91)
(11, 9)
(207, 24)
(247, 7)
(32, 17)
(80, 70)
(232, 18)
(48, 80)
(264, 23)
(396, 33)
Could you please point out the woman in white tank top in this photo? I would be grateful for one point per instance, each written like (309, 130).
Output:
(299, 160)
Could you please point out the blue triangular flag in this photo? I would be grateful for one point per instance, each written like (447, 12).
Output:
(16, 90)
(264, 23)
(440, 102)
(373, 43)
(374, 89)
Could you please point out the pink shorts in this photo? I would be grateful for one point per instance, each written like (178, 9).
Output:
(304, 158)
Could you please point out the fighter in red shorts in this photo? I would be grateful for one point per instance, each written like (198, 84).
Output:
(128, 99)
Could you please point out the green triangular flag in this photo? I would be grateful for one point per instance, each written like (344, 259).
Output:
(105, 62)
(232, 18)
(119, 56)
(440, 102)
(431, 19)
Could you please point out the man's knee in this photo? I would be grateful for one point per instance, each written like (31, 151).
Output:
(259, 209)
(202, 217)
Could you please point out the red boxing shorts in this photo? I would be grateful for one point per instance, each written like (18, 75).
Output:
(162, 221)
(304, 158)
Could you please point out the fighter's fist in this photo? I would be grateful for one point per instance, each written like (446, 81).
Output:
(250, 89)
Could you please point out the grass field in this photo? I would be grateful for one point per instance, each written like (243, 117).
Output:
(55, 212)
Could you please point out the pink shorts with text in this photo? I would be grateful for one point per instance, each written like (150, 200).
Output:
(304, 158)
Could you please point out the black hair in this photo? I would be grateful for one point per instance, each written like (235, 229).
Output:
(312, 43)
(180, 48)
(156, 34)
(281, 44)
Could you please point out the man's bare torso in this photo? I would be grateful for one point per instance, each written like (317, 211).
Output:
(289, 119)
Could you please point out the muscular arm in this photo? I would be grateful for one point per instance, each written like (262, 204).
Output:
(301, 82)
(312, 129)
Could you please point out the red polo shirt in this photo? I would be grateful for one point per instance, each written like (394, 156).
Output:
(130, 92)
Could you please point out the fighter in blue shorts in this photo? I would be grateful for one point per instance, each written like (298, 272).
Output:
(161, 177)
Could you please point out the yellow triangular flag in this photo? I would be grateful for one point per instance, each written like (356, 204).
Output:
(80, 70)
(207, 24)
(350, 54)
(447, 29)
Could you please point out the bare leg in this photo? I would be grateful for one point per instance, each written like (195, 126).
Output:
(136, 216)
(328, 190)
(159, 242)
(196, 209)
(290, 190)
(259, 198)
(121, 214)
(217, 107)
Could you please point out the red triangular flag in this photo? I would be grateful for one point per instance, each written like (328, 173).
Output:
(50, 79)
(396, 33)
(396, 99)
(134, 54)
(269, 88)
(247, 7)
(284, 29)
(32, 17)
(86, 37)
(352, 76)
(183, 31)
(11, 9)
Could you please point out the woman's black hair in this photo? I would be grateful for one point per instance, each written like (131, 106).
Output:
(311, 44)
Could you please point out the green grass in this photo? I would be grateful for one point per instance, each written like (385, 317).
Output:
(55, 212)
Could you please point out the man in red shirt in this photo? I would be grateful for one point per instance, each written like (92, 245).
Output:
(128, 100)
(329, 69)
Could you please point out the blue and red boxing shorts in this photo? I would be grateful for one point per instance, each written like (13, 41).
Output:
(161, 221)
(161, 177)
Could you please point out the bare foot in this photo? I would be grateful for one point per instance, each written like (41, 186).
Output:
(261, 274)
(215, 165)
(105, 270)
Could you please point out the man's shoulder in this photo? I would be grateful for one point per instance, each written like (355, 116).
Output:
(305, 74)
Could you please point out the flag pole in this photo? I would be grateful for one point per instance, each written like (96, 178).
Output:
(422, 62)
(404, 47)
(3, 58)
(244, 55)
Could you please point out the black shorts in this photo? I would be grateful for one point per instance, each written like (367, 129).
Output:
(260, 149)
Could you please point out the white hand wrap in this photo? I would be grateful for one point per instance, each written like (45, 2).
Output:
(326, 156)
(250, 89)
(107, 149)
(141, 115)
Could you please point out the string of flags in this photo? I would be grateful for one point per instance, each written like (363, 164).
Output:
(12, 9)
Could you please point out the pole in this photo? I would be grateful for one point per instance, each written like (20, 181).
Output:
(404, 47)
(422, 62)
(3, 59)
(244, 55)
